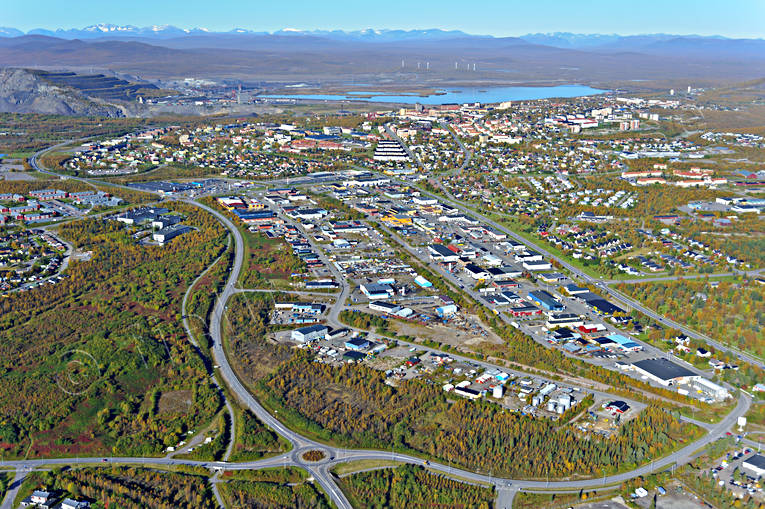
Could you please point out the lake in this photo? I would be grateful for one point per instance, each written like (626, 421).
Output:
(458, 95)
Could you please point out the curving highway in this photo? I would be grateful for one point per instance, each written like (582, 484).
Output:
(320, 471)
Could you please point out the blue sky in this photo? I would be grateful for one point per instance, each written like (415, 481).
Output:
(732, 18)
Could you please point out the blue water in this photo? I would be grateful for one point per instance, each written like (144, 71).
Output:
(461, 95)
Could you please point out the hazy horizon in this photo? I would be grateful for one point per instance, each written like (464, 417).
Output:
(497, 18)
(294, 29)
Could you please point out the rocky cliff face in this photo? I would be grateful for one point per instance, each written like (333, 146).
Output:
(23, 92)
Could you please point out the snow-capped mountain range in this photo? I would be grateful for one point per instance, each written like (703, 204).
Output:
(243, 38)
(166, 31)
(108, 29)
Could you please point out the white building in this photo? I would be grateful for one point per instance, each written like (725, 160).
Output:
(712, 389)
(755, 465)
(310, 333)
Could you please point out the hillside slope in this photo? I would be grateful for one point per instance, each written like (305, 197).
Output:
(22, 91)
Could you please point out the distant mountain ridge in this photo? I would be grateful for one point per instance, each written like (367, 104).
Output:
(166, 52)
(10, 32)
(555, 39)
(591, 41)
(695, 46)
(169, 31)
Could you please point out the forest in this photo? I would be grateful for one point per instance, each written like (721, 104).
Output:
(125, 487)
(129, 196)
(526, 500)
(746, 242)
(353, 405)
(202, 298)
(267, 260)
(733, 312)
(220, 434)
(27, 133)
(363, 320)
(273, 495)
(5, 481)
(99, 363)
(412, 486)
(254, 439)
(245, 326)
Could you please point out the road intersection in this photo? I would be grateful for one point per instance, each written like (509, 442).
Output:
(333, 456)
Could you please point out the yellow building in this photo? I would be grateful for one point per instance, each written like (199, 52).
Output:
(397, 219)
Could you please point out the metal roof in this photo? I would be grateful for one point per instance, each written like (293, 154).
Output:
(664, 369)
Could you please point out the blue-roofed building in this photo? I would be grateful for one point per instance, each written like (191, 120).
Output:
(446, 311)
(422, 282)
(249, 216)
(572, 347)
(625, 343)
(357, 344)
(308, 308)
(546, 300)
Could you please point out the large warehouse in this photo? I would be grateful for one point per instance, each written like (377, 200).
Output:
(310, 333)
(665, 372)
(440, 253)
(546, 300)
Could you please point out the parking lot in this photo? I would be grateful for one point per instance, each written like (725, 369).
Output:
(730, 474)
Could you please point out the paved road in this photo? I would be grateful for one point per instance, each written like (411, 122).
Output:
(320, 471)
(333, 319)
(505, 496)
(190, 335)
(715, 430)
(292, 292)
(755, 272)
(604, 286)
(13, 489)
(614, 293)
(299, 443)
